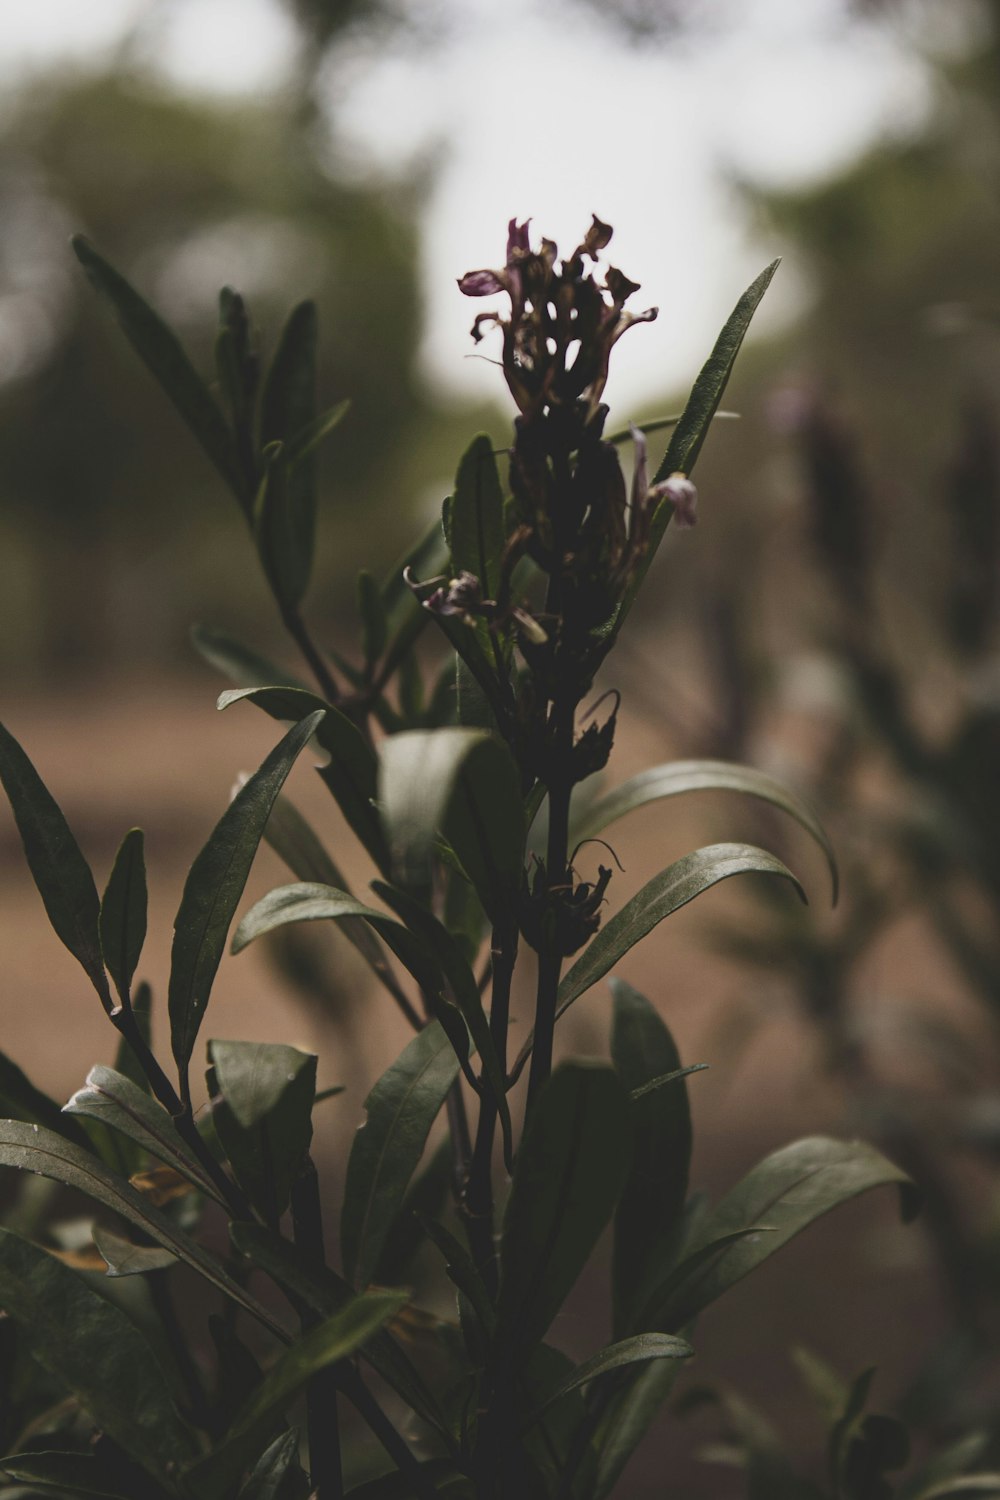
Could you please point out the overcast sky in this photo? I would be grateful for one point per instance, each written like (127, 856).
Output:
(533, 110)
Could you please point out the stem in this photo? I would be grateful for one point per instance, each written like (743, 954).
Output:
(295, 626)
(159, 1291)
(124, 1022)
(322, 1424)
(368, 1408)
(550, 958)
(477, 1203)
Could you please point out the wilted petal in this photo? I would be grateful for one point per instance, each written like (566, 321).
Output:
(491, 319)
(683, 496)
(517, 239)
(597, 238)
(620, 287)
(481, 284)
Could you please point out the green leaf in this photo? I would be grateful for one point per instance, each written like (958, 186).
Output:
(33, 1149)
(405, 617)
(463, 1273)
(126, 1060)
(476, 521)
(692, 429)
(305, 902)
(667, 892)
(640, 1349)
(58, 868)
(277, 1464)
(785, 1192)
(627, 1420)
(265, 1119)
(294, 841)
(966, 1484)
(401, 1109)
(21, 1100)
(353, 770)
(120, 1104)
(652, 1202)
(326, 1293)
(448, 1484)
(212, 891)
(107, 1363)
(68, 1473)
(240, 663)
(288, 399)
(124, 1258)
(461, 783)
(769, 1475)
(283, 530)
(311, 437)
(569, 1172)
(335, 1339)
(161, 352)
(681, 776)
(426, 1197)
(373, 619)
(463, 986)
(123, 913)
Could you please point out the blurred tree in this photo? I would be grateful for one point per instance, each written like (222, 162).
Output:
(184, 196)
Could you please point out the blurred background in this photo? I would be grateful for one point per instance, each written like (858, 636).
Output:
(832, 619)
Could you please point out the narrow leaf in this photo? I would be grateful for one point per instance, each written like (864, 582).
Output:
(569, 1172)
(76, 1474)
(294, 841)
(463, 986)
(461, 783)
(326, 1293)
(787, 1191)
(283, 533)
(667, 892)
(213, 889)
(161, 352)
(640, 1349)
(335, 1339)
(107, 1363)
(629, 1417)
(33, 1149)
(681, 776)
(240, 663)
(464, 1273)
(401, 1109)
(58, 868)
(652, 1201)
(117, 1102)
(318, 903)
(477, 532)
(21, 1100)
(123, 913)
(692, 429)
(124, 1258)
(309, 438)
(352, 772)
(264, 1120)
(267, 1479)
(690, 432)
(373, 619)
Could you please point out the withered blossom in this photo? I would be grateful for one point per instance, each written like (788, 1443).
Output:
(563, 324)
